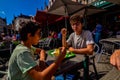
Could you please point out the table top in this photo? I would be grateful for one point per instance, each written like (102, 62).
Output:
(111, 40)
(109, 45)
(67, 64)
(5, 49)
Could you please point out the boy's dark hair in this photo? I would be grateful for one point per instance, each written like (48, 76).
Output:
(28, 27)
(76, 18)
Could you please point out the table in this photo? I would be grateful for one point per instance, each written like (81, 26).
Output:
(108, 46)
(67, 64)
(76, 62)
(113, 41)
(116, 41)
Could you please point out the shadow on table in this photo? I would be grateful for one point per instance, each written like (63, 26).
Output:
(67, 70)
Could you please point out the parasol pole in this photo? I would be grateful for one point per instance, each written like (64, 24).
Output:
(47, 26)
(85, 17)
(65, 22)
(86, 61)
(65, 14)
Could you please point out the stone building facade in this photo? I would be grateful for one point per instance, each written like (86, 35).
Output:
(3, 24)
(19, 19)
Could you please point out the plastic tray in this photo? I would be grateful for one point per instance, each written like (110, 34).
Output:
(68, 54)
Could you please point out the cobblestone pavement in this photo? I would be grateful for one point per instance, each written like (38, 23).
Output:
(105, 70)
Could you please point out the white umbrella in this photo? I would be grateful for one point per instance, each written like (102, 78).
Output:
(89, 10)
(65, 8)
(68, 7)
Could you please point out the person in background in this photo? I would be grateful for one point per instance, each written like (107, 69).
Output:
(97, 31)
(59, 39)
(118, 32)
(59, 36)
(115, 59)
(3, 36)
(1, 40)
(55, 34)
(22, 64)
(80, 41)
(14, 37)
(51, 34)
(17, 36)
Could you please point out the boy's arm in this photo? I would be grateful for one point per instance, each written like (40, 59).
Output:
(47, 73)
(88, 50)
(64, 33)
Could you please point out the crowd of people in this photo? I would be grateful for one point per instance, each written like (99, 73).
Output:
(6, 37)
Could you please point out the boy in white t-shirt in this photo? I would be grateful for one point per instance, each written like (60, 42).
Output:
(80, 41)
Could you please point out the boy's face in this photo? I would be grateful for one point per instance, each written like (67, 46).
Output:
(76, 26)
(35, 39)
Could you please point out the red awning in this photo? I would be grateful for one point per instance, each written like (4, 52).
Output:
(47, 18)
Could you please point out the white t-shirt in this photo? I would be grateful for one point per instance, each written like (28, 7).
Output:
(80, 41)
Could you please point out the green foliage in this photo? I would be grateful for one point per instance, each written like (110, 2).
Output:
(16, 42)
(6, 44)
(2, 46)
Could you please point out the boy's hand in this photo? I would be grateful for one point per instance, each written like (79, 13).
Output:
(115, 59)
(61, 55)
(64, 31)
(71, 49)
(63, 50)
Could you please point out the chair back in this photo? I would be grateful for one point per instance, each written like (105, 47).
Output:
(96, 51)
(96, 48)
(107, 47)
